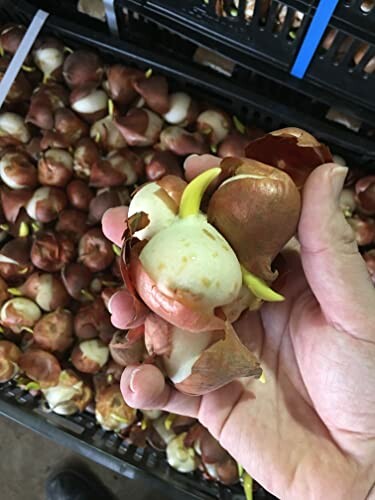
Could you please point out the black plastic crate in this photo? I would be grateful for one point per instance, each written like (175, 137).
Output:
(81, 434)
(268, 43)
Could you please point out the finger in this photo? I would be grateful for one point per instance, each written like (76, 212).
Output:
(196, 164)
(114, 224)
(332, 263)
(126, 311)
(144, 387)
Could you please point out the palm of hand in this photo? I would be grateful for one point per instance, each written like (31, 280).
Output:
(305, 423)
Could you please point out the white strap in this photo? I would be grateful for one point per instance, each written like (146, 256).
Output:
(111, 16)
(21, 53)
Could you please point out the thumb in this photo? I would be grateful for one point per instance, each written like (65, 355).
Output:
(334, 268)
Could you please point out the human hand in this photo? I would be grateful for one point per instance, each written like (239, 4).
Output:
(309, 432)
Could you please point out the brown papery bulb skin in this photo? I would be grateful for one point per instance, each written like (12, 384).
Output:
(257, 211)
(72, 222)
(86, 364)
(162, 163)
(95, 251)
(119, 84)
(48, 55)
(85, 155)
(364, 229)
(9, 357)
(154, 91)
(105, 199)
(54, 331)
(46, 204)
(4, 294)
(11, 36)
(182, 143)
(21, 89)
(290, 149)
(15, 260)
(51, 251)
(365, 191)
(17, 172)
(140, 127)
(83, 67)
(41, 366)
(70, 126)
(76, 278)
(79, 194)
(55, 168)
(233, 145)
(47, 290)
(93, 320)
(12, 201)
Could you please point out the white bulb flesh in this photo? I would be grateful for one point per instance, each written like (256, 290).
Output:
(13, 125)
(179, 456)
(39, 195)
(59, 398)
(96, 101)
(5, 163)
(216, 121)
(190, 255)
(95, 351)
(44, 294)
(61, 156)
(160, 215)
(48, 60)
(186, 350)
(179, 106)
(23, 307)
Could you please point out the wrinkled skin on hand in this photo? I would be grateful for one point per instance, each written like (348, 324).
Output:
(311, 428)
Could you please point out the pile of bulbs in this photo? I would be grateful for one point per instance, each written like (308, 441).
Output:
(76, 136)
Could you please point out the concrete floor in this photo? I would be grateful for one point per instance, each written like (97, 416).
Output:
(27, 459)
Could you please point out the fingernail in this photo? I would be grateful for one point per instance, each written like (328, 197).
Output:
(132, 378)
(338, 175)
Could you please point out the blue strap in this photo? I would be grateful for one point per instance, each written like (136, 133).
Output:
(313, 36)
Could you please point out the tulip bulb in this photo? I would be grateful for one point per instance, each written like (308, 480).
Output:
(11, 36)
(15, 259)
(9, 358)
(95, 251)
(13, 129)
(86, 155)
(46, 290)
(41, 366)
(111, 411)
(51, 251)
(49, 58)
(55, 168)
(204, 265)
(107, 135)
(181, 142)
(54, 331)
(72, 222)
(91, 104)
(140, 127)
(119, 84)
(90, 356)
(181, 457)
(154, 91)
(216, 125)
(76, 278)
(79, 194)
(17, 172)
(46, 203)
(182, 110)
(19, 313)
(69, 396)
(83, 67)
